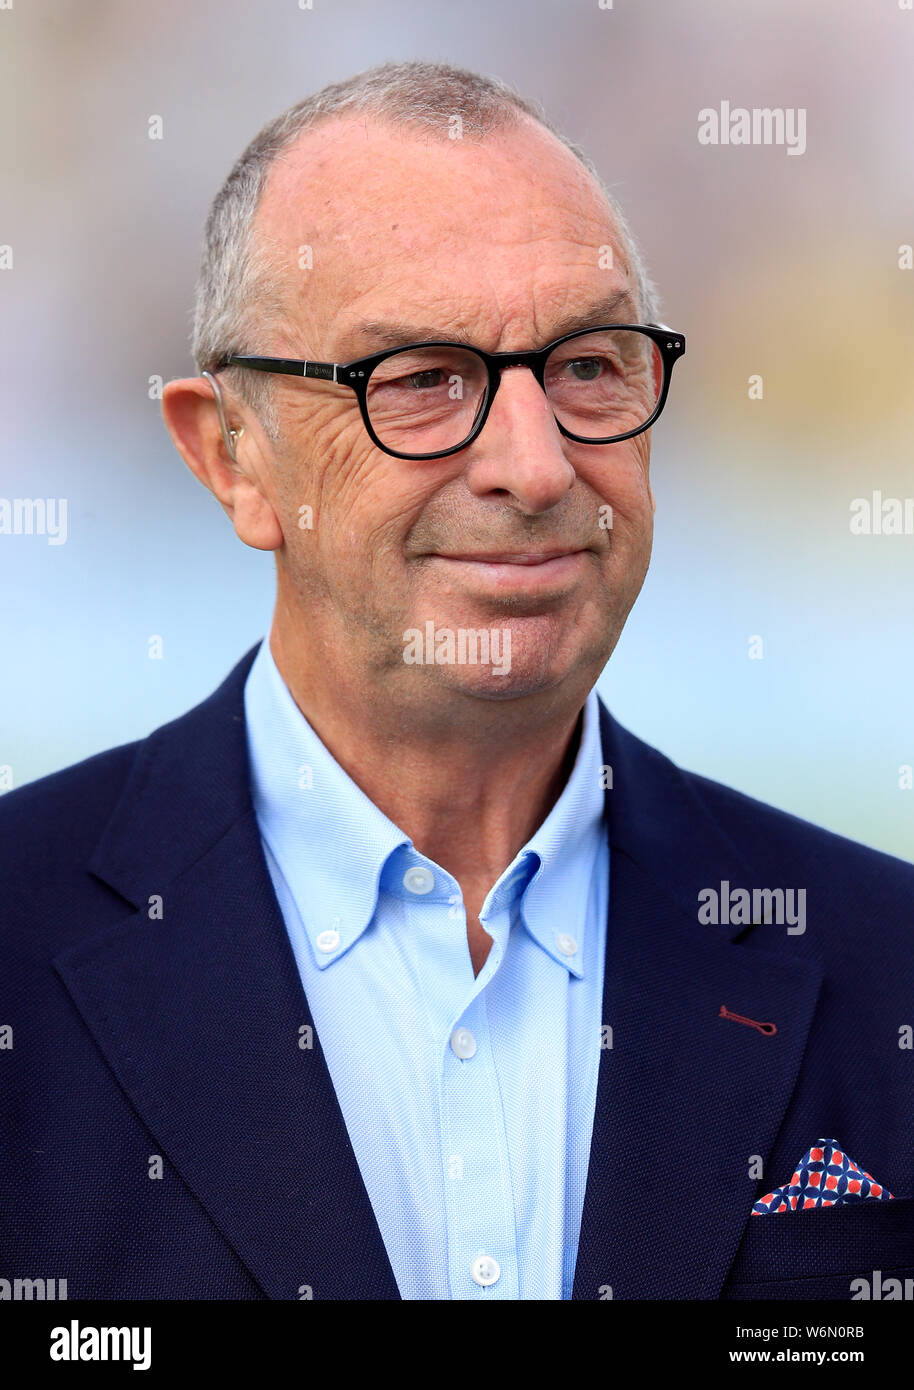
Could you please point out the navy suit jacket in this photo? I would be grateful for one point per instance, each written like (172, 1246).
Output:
(151, 1038)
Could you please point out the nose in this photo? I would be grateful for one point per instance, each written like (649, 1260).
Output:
(519, 452)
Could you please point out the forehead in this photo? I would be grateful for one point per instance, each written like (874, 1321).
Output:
(473, 235)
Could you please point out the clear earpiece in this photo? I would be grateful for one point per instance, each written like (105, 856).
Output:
(229, 436)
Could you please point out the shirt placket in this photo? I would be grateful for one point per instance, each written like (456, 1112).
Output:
(481, 1228)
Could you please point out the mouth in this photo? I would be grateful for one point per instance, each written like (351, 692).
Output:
(513, 571)
(507, 557)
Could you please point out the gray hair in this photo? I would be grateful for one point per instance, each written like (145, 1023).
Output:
(240, 290)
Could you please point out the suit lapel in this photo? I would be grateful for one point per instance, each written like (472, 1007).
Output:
(685, 1099)
(200, 1013)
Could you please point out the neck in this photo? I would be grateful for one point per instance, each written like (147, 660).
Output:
(469, 792)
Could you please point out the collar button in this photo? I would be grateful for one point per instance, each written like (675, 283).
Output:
(418, 880)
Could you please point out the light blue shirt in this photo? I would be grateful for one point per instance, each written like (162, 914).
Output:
(469, 1101)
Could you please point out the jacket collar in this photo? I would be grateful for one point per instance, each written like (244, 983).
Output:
(201, 1016)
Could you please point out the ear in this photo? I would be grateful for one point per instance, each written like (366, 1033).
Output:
(192, 420)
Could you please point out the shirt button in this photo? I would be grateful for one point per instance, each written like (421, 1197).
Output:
(463, 1044)
(566, 944)
(418, 880)
(328, 940)
(485, 1269)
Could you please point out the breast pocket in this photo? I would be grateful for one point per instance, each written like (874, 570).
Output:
(856, 1251)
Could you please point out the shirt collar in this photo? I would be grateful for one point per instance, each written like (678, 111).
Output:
(328, 838)
(562, 852)
(332, 843)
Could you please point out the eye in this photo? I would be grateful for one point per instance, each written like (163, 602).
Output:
(418, 382)
(586, 368)
(424, 380)
(592, 369)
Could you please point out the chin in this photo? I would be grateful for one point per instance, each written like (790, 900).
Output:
(507, 659)
(485, 685)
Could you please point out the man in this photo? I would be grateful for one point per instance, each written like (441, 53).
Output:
(397, 968)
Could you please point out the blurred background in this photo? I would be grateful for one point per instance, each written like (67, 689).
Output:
(784, 266)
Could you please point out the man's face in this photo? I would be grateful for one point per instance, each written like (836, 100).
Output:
(501, 243)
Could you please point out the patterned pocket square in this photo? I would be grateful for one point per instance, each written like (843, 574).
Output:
(825, 1177)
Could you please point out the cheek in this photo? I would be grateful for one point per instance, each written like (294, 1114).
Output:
(621, 482)
(361, 502)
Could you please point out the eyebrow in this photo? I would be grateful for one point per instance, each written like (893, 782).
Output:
(395, 333)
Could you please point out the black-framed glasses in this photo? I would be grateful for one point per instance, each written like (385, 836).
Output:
(431, 399)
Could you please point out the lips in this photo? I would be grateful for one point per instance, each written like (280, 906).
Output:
(540, 574)
(502, 557)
